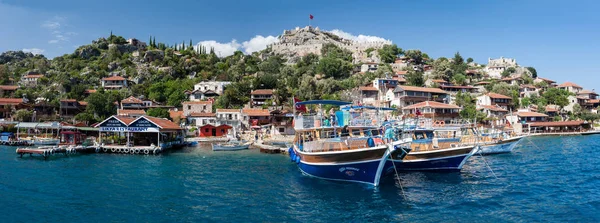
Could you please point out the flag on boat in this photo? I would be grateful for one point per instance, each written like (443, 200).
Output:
(301, 108)
(310, 16)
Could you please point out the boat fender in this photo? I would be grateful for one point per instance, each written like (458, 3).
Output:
(112, 150)
(290, 150)
(51, 152)
(104, 149)
(126, 150)
(293, 158)
(370, 142)
(146, 151)
(132, 151)
(297, 159)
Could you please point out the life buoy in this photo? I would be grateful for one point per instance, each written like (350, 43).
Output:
(146, 151)
(442, 123)
(126, 150)
(104, 149)
(113, 149)
(422, 124)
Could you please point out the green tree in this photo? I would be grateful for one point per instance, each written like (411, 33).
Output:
(415, 78)
(23, 115)
(416, 56)
(158, 112)
(459, 79)
(533, 72)
(469, 60)
(525, 102)
(388, 53)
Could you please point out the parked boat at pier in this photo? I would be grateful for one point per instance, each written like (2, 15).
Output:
(498, 142)
(328, 148)
(231, 146)
(431, 152)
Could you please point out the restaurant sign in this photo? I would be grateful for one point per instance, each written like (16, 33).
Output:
(128, 129)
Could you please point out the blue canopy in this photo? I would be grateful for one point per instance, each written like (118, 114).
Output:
(368, 107)
(324, 102)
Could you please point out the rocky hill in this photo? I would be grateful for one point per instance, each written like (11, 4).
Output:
(299, 42)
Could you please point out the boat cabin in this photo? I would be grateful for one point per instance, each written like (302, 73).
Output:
(71, 138)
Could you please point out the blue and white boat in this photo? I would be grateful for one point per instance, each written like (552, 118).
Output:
(498, 143)
(346, 147)
(430, 152)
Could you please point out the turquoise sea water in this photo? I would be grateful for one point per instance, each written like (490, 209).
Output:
(556, 181)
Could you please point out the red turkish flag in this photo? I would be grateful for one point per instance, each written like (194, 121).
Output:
(418, 113)
(301, 108)
(310, 16)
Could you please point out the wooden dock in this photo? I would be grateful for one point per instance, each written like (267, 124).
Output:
(269, 148)
(48, 151)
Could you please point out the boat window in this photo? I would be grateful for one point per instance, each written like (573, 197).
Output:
(356, 132)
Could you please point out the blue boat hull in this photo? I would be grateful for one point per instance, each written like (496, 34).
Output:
(502, 147)
(363, 172)
(445, 164)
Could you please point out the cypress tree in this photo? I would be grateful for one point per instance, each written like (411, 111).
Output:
(190, 42)
(154, 41)
(150, 41)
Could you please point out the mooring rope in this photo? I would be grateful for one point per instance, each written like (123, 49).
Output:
(398, 175)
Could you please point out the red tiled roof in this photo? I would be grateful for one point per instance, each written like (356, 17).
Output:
(201, 114)
(586, 92)
(593, 101)
(132, 100)
(262, 92)
(531, 114)
(547, 80)
(228, 110)
(130, 112)
(197, 102)
(163, 123)
(176, 114)
(483, 83)
(365, 88)
(90, 91)
(422, 89)
(527, 86)
(8, 87)
(68, 100)
(402, 72)
(556, 124)
(492, 108)
(550, 108)
(125, 119)
(10, 101)
(499, 96)
(457, 87)
(256, 112)
(431, 104)
(439, 81)
(511, 78)
(113, 78)
(569, 84)
(82, 103)
(33, 76)
(400, 79)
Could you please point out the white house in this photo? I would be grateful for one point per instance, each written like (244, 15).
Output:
(369, 67)
(114, 82)
(207, 89)
(31, 79)
(570, 87)
(230, 117)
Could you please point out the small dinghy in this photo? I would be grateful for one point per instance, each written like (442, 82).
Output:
(230, 146)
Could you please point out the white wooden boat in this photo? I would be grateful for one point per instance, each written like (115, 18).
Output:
(230, 146)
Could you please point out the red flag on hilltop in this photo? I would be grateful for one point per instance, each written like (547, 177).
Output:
(301, 108)
(310, 16)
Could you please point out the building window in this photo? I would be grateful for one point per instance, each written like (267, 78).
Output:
(281, 130)
(189, 107)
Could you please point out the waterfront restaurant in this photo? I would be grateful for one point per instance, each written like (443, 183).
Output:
(142, 131)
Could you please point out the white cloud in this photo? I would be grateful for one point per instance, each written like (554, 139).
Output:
(51, 25)
(359, 38)
(258, 43)
(56, 25)
(221, 49)
(35, 51)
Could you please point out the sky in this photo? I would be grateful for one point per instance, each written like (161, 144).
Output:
(559, 38)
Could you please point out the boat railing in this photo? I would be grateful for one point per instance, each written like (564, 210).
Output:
(340, 144)
(321, 121)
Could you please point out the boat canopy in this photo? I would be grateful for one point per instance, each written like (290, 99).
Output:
(324, 102)
(367, 107)
(40, 125)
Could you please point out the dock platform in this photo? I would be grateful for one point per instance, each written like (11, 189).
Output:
(47, 151)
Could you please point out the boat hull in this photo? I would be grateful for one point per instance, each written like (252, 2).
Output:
(216, 147)
(361, 172)
(505, 146)
(446, 160)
